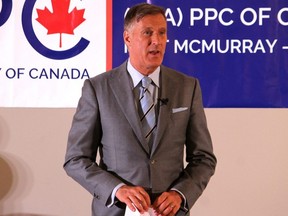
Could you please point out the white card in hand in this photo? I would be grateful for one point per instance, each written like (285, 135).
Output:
(128, 212)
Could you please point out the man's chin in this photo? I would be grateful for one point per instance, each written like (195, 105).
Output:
(155, 62)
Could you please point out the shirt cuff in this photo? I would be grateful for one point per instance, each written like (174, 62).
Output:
(112, 197)
(184, 202)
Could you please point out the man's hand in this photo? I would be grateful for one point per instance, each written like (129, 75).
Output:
(168, 203)
(134, 197)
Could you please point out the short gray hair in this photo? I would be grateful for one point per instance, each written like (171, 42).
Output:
(138, 11)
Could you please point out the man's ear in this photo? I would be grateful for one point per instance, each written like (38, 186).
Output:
(126, 38)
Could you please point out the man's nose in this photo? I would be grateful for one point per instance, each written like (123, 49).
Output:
(155, 39)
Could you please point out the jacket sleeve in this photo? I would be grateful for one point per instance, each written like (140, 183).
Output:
(83, 144)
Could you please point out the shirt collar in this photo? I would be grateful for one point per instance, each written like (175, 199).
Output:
(137, 76)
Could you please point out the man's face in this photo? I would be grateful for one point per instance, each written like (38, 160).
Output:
(146, 41)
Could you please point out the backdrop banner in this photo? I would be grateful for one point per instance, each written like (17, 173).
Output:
(48, 48)
(237, 49)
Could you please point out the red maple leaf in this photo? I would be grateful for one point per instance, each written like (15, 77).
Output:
(60, 21)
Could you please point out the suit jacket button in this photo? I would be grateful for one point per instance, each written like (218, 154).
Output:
(153, 162)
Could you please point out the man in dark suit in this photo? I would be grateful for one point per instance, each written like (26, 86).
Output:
(141, 164)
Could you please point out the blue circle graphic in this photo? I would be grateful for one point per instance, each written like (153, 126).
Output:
(38, 46)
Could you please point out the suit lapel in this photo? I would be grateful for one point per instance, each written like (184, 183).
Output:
(166, 91)
(123, 91)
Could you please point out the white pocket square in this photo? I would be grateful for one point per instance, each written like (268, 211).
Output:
(179, 109)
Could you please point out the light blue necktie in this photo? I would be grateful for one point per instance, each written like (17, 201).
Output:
(147, 116)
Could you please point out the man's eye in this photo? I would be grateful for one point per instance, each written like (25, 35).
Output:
(148, 33)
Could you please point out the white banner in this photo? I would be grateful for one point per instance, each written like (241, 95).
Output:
(48, 48)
